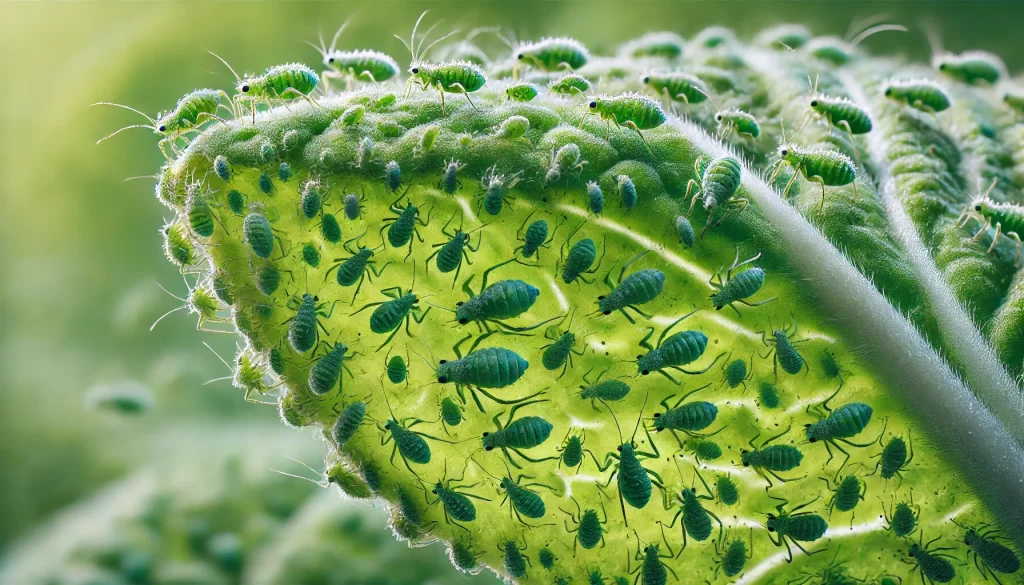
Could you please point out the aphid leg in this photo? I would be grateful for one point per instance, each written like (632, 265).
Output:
(984, 228)
(995, 238)
(792, 180)
(820, 181)
(466, 93)
(632, 124)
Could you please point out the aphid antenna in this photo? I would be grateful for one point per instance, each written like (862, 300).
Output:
(707, 95)
(868, 32)
(151, 126)
(931, 32)
(337, 33)
(226, 64)
(640, 417)
(433, 361)
(320, 483)
(141, 177)
(860, 24)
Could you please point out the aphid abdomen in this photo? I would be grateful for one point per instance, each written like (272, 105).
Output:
(695, 519)
(834, 168)
(995, 555)
(847, 494)
(903, 520)
(933, 567)
(258, 234)
(302, 332)
(400, 230)
(692, 416)
(595, 198)
(506, 299)
(580, 258)
(609, 390)
(590, 529)
(493, 367)
(412, 446)
(525, 502)
(683, 348)
(348, 423)
(200, 217)
(458, 506)
(515, 564)
(388, 316)
(534, 237)
(735, 558)
(556, 355)
(728, 493)
(352, 269)
(325, 372)
(640, 287)
(806, 527)
(894, 456)
(449, 257)
(330, 229)
(843, 423)
(741, 286)
(633, 481)
(525, 433)
(720, 181)
(1010, 216)
(789, 358)
(705, 448)
(572, 455)
(397, 370)
(546, 558)
(779, 457)
(653, 571)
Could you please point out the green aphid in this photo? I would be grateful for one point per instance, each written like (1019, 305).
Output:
(546, 558)
(660, 44)
(769, 395)
(552, 54)
(738, 121)
(704, 449)
(527, 432)
(284, 172)
(302, 333)
(451, 412)
(310, 200)
(832, 49)
(590, 528)
(514, 560)
(267, 152)
(920, 94)
(733, 555)
(326, 372)
(903, 517)
(258, 234)
(397, 370)
(311, 255)
(736, 373)
(459, 77)
(847, 492)
(825, 167)
(348, 482)
(728, 491)
(770, 460)
(632, 110)
(652, 570)
(513, 128)
(972, 67)
(716, 184)
(348, 423)
(330, 228)
(353, 115)
(265, 183)
(841, 112)
(287, 82)
(522, 91)
(428, 140)
(268, 279)
(795, 527)
(569, 84)
(236, 202)
(358, 65)
(462, 555)
(677, 86)
(179, 248)
(222, 168)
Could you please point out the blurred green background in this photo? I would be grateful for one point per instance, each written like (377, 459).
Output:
(81, 252)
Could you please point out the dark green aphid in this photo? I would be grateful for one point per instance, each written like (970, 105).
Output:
(402, 227)
(728, 492)
(894, 458)
(627, 191)
(392, 176)
(567, 157)
(324, 374)
(451, 412)
(933, 564)
(450, 254)
(407, 506)
(236, 202)
(284, 172)
(516, 435)
(688, 418)
(330, 228)
(795, 527)
(846, 493)
(222, 168)
(783, 351)
(523, 502)
(652, 571)
(578, 260)
(311, 255)
(830, 368)
(595, 198)
(449, 182)
(920, 94)
(371, 475)
(620, 580)
(462, 555)
(558, 353)
(696, 519)
(673, 352)
(353, 206)
(265, 184)
(825, 167)
(769, 395)
(258, 234)
(736, 289)
(633, 479)
(733, 556)
(552, 54)
(348, 423)
(639, 288)
(357, 267)
(515, 562)
(302, 334)
(594, 577)
(363, 153)
(678, 86)
(493, 192)
(311, 201)
(569, 84)
(990, 555)
(410, 444)
(546, 558)
(572, 450)
(489, 368)
(220, 288)
(632, 110)
(607, 391)
(903, 519)
(268, 279)
(397, 371)
(457, 506)
(771, 459)
(388, 316)
(589, 529)
(705, 449)
(716, 185)
(972, 66)
(505, 299)
(534, 237)
(521, 92)
(267, 153)
(685, 231)
(200, 215)
(839, 425)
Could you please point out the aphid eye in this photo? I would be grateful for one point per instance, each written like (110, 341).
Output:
(814, 103)
(442, 362)
(463, 321)
(645, 372)
(977, 208)
(811, 440)
(770, 529)
(942, 67)
(442, 379)
(657, 414)
(458, 304)
(619, 448)
(485, 434)
(719, 117)
(415, 70)
(647, 79)
(330, 60)
(162, 128)
(888, 91)
(520, 56)
(245, 88)
(433, 491)
(607, 313)
(639, 356)
(387, 427)
(488, 448)
(593, 104)
(784, 152)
